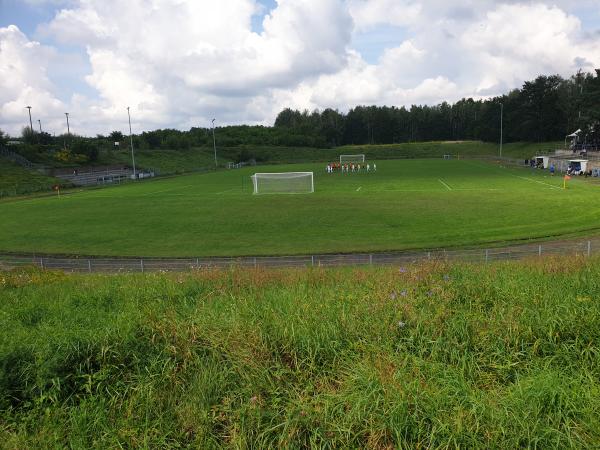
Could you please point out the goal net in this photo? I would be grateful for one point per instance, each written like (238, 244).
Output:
(352, 159)
(283, 183)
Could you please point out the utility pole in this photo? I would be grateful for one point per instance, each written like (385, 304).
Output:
(501, 114)
(68, 131)
(131, 141)
(30, 122)
(40, 122)
(214, 142)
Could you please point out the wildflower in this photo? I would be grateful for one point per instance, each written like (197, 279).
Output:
(393, 296)
(402, 270)
(429, 293)
(254, 399)
(446, 277)
(403, 293)
(401, 324)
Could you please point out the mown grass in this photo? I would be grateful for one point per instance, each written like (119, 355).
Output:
(425, 356)
(405, 204)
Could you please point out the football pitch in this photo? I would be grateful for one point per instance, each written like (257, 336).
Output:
(405, 204)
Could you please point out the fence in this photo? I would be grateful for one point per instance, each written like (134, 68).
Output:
(113, 265)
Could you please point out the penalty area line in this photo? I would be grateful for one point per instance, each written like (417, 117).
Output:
(446, 186)
(359, 188)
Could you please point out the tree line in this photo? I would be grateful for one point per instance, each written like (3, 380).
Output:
(544, 109)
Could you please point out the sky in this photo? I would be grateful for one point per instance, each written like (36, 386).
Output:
(180, 63)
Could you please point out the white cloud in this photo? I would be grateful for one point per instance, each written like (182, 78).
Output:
(178, 63)
(368, 13)
(510, 50)
(172, 59)
(24, 80)
(461, 52)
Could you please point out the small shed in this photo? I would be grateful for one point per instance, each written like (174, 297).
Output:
(542, 161)
(578, 166)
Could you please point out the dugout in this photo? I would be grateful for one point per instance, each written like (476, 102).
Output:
(578, 166)
(542, 161)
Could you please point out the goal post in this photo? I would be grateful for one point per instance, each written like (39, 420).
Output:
(352, 159)
(283, 183)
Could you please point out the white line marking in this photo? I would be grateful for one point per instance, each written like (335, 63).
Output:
(437, 190)
(536, 181)
(359, 189)
(447, 187)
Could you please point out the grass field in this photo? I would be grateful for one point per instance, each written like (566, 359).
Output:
(404, 205)
(429, 356)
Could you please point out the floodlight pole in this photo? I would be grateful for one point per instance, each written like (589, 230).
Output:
(501, 114)
(68, 130)
(214, 141)
(30, 122)
(40, 122)
(131, 141)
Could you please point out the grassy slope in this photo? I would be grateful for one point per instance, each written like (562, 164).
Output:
(15, 180)
(432, 356)
(406, 204)
(174, 161)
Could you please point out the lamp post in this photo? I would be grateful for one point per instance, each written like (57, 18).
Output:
(131, 142)
(214, 141)
(501, 114)
(30, 122)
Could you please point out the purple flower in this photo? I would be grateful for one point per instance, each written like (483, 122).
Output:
(402, 270)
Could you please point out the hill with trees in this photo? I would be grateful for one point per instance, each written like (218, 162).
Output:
(542, 110)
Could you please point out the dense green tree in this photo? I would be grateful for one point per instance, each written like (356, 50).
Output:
(116, 136)
(86, 147)
(28, 136)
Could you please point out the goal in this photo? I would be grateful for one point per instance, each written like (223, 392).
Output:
(448, 157)
(283, 183)
(352, 158)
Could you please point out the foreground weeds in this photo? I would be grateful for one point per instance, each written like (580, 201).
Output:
(424, 356)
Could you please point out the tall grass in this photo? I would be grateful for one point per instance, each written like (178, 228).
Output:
(432, 355)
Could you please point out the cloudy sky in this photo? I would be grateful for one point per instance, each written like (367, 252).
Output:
(179, 63)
